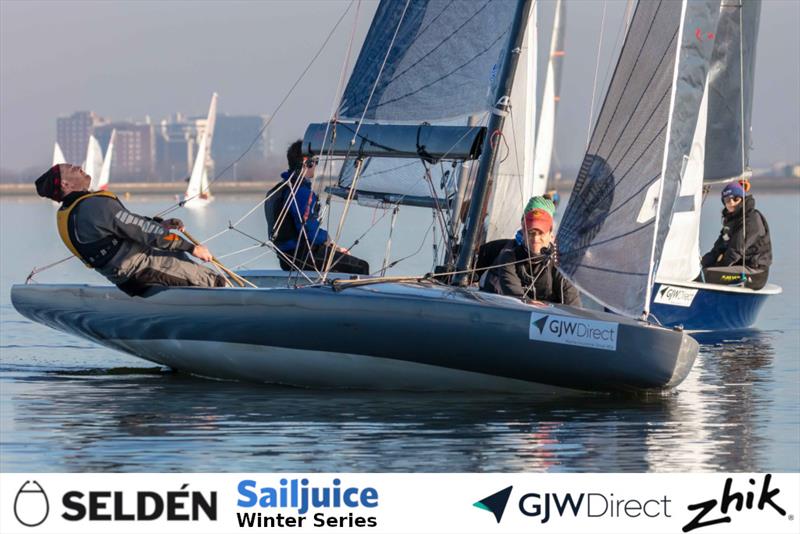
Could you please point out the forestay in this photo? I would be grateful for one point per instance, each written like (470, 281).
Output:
(617, 219)
(730, 97)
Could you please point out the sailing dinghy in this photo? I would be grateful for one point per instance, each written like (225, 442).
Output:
(197, 193)
(720, 153)
(417, 333)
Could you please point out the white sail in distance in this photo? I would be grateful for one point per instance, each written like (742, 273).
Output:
(94, 162)
(105, 171)
(545, 136)
(197, 192)
(58, 155)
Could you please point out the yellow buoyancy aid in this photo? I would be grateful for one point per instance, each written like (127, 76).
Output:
(94, 254)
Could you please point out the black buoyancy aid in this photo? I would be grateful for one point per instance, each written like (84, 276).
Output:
(95, 254)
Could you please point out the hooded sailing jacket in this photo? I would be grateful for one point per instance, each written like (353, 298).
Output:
(733, 239)
(534, 277)
(92, 222)
(304, 213)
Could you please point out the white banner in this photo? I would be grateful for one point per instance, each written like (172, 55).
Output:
(392, 503)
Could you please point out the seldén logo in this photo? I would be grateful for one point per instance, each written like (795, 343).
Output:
(495, 503)
(736, 499)
(31, 506)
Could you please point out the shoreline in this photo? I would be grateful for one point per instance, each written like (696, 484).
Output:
(126, 189)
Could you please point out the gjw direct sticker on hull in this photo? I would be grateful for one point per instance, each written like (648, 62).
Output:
(573, 331)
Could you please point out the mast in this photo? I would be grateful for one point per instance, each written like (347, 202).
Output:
(489, 152)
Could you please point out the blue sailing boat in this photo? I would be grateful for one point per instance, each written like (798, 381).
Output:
(720, 153)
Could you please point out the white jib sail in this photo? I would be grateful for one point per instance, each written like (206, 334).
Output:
(680, 258)
(514, 175)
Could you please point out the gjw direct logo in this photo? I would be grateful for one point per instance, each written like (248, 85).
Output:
(573, 331)
(547, 505)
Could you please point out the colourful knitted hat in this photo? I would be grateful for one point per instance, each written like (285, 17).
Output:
(541, 203)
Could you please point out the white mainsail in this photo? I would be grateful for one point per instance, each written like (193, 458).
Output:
(58, 155)
(197, 192)
(105, 172)
(545, 136)
(94, 162)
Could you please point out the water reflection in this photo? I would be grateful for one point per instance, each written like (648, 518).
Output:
(163, 422)
(719, 415)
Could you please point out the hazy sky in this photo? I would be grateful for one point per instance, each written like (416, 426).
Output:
(125, 60)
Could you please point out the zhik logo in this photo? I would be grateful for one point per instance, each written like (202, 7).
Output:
(495, 503)
(31, 506)
(735, 498)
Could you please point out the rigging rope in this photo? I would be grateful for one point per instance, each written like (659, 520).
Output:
(272, 116)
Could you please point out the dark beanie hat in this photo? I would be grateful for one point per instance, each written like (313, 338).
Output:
(48, 185)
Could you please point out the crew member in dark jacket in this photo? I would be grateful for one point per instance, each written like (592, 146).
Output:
(527, 269)
(746, 236)
(297, 229)
(134, 252)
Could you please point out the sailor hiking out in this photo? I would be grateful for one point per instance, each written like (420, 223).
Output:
(134, 252)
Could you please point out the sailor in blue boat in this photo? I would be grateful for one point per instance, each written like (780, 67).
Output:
(743, 251)
(133, 251)
(526, 266)
(294, 226)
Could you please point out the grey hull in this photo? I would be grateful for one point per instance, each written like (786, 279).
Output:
(380, 336)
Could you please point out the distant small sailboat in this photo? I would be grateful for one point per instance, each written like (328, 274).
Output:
(105, 171)
(197, 193)
(58, 155)
(94, 162)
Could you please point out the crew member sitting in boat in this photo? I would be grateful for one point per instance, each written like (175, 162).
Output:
(297, 232)
(526, 267)
(132, 251)
(488, 252)
(743, 250)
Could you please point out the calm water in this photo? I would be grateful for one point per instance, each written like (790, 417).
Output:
(66, 405)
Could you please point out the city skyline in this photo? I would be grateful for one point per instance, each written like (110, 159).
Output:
(158, 58)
